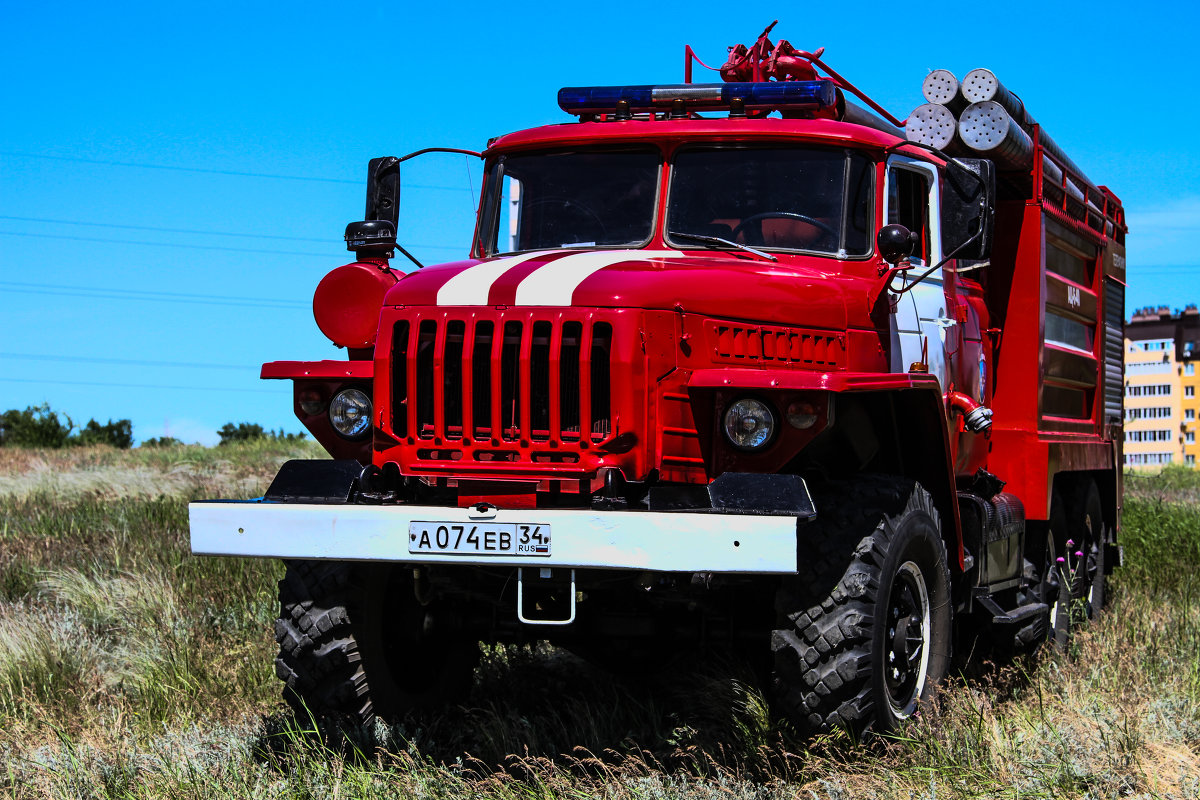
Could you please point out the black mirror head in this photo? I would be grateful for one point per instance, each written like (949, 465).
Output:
(371, 238)
(895, 242)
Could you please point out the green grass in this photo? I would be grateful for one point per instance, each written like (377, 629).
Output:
(129, 669)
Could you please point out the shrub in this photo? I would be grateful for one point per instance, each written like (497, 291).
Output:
(118, 434)
(249, 432)
(161, 441)
(242, 432)
(41, 426)
(36, 426)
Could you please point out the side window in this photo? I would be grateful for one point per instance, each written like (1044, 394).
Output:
(908, 205)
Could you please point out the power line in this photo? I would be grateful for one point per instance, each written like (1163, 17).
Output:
(325, 240)
(163, 297)
(125, 361)
(142, 386)
(228, 172)
(101, 296)
(187, 246)
(164, 244)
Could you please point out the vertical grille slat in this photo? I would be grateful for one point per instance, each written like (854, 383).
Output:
(510, 382)
(601, 371)
(439, 385)
(411, 369)
(585, 383)
(524, 394)
(466, 391)
(497, 373)
(424, 362)
(481, 379)
(569, 379)
(400, 401)
(554, 380)
(451, 384)
(538, 348)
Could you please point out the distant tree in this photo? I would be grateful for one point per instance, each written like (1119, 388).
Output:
(117, 434)
(290, 438)
(41, 426)
(242, 432)
(36, 426)
(248, 432)
(161, 441)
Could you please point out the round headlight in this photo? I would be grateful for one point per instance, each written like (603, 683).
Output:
(350, 413)
(749, 424)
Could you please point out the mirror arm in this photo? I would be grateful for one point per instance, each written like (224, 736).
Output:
(460, 151)
(409, 256)
(932, 269)
(940, 154)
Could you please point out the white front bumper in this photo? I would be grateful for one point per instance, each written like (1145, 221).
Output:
(643, 540)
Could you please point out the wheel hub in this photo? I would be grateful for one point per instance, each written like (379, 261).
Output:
(907, 640)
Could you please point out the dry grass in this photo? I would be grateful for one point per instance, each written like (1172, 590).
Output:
(130, 669)
(104, 473)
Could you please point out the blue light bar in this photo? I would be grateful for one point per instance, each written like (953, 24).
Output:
(792, 95)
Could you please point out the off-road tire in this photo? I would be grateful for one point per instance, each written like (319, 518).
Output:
(354, 642)
(876, 538)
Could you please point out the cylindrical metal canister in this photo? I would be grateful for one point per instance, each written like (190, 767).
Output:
(988, 129)
(941, 87)
(932, 124)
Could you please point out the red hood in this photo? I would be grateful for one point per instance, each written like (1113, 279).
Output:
(809, 293)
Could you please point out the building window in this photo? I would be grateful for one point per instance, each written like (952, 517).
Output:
(1189, 460)
(1189, 368)
(1189, 391)
(1134, 459)
(1148, 436)
(1189, 414)
(1189, 437)
(1150, 390)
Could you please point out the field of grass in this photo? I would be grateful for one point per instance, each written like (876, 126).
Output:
(130, 669)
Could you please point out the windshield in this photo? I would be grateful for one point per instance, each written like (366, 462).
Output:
(782, 198)
(592, 198)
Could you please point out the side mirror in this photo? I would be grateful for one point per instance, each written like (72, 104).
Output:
(895, 242)
(375, 235)
(383, 189)
(968, 207)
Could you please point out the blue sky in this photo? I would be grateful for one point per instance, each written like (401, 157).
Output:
(148, 265)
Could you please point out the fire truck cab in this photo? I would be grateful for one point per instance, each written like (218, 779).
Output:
(728, 365)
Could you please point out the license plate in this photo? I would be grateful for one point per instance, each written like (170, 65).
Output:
(479, 539)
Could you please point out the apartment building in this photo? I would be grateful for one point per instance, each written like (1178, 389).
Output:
(1161, 386)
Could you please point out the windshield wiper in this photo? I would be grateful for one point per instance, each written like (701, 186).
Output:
(696, 237)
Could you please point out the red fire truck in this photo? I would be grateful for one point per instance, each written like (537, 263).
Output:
(728, 365)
